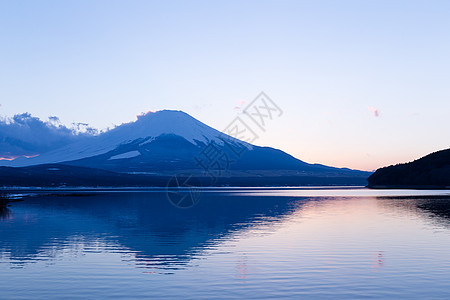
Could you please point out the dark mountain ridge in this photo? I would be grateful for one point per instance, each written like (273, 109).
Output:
(431, 171)
(60, 175)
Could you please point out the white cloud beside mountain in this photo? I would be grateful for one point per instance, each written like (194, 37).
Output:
(26, 135)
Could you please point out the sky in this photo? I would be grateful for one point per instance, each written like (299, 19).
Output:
(362, 84)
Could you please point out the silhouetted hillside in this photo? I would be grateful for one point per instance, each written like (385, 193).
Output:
(431, 171)
(59, 175)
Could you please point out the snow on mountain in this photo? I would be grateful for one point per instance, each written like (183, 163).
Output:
(128, 154)
(144, 130)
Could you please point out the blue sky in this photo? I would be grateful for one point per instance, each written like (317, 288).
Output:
(328, 64)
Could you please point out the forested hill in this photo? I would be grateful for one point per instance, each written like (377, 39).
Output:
(431, 171)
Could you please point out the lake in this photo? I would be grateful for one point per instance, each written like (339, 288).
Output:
(228, 243)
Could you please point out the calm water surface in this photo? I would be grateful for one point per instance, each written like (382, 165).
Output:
(233, 243)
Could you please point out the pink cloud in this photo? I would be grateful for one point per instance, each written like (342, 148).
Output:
(13, 157)
(240, 104)
(376, 112)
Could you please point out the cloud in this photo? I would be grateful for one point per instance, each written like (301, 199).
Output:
(240, 106)
(25, 135)
(376, 112)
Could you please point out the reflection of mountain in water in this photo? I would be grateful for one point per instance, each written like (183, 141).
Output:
(436, 208)
(439, 207)
(5, 213)
(144, 225)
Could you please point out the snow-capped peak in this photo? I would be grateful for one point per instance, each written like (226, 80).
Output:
(146, 128)
(154, 124)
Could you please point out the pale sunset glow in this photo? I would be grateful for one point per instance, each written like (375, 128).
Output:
(11, 158)
(378, 72)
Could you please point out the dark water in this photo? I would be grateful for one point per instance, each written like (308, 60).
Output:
(254, 243)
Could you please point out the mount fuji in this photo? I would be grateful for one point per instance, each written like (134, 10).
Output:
(166, 143)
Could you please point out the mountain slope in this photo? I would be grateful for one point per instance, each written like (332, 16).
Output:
(431, 171)
(138, 133)
(166, 143)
